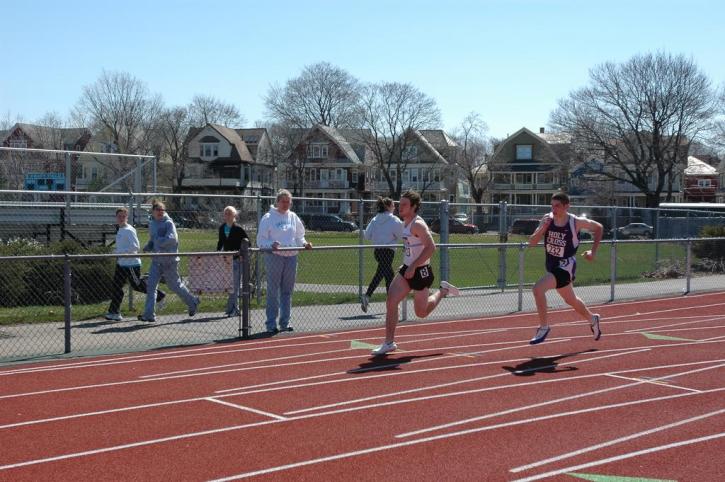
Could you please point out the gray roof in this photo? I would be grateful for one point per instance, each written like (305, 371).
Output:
(38, 133)
(438, 138)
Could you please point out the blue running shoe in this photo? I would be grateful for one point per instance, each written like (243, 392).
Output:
(540, 336)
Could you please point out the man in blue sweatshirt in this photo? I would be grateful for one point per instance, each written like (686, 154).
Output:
(127, 268)
(163, 239)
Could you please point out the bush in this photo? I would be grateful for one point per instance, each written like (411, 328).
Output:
(711, 250)
(40, 282)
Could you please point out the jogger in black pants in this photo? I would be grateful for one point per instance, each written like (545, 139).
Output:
(385, 228)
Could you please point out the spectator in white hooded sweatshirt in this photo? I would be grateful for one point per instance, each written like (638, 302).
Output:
(280, 228)
(385, 228)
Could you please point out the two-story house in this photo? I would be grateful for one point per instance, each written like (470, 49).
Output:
(329, 163)
(37, 170)
(222, 160)
(527, 168)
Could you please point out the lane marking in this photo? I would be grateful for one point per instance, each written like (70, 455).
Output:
(625, 456)
(448, 384)
(542, 404)
(653, 336)
(660, 383)
(315, 415)
(615, 441)
(245, 408)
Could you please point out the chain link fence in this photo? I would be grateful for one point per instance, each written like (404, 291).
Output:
(55, 304)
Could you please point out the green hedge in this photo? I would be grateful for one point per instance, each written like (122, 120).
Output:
(40, 282)
(712, 250)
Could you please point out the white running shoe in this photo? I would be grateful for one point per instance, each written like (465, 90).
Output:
(386, 347)
(541, 333)
(364, 301)
(113, 316)
(452, 290)
(595, 327)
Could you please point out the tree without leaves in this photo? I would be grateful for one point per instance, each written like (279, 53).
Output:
(173, 129)
(473, 150)
(121, 107)
(207, 109)
(285, 138)
(322, 94)
(639, 118)
(392, 112)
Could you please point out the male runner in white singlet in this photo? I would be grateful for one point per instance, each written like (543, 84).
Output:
(416, 273)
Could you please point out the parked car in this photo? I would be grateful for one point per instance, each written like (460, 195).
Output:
(326, 222)
(462, 217)
(635, 230)
(524, 226)
(454, 226)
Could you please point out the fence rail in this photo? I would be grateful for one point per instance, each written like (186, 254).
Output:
(55, 304)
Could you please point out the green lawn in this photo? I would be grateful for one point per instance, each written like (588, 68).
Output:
(468, 268)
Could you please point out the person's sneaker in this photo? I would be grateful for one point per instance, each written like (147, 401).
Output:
(149, 320)
(594, 325)
(161, 302)
(273, 331)
(113, 316)
(287, 328)
(452, 290)
(386, 347)
(195, 308)
(540, 336)
(364, 301)
(229, 314)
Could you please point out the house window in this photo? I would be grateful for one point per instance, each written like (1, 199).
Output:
(545, 178)
(18, 143)
(410, 153)
(94, 173)
(704, 183)
(502, 178)
(317, 151)
(414, 175)
(209, 149)
(524, 178)
(524, 152)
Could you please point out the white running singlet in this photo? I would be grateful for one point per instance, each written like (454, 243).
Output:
(413, 245)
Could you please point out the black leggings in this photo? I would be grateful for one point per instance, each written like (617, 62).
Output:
(384, 257)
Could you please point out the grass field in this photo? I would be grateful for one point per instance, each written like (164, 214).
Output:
(468, 268)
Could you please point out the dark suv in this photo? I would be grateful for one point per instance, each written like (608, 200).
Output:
(326, 222)
(525, 226)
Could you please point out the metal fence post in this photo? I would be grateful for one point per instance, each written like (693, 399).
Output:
(257, 282)
(656, 236)
(67, 297)
(522, 246)
(688, 265)
(614, 223)
(503, 238)
(612, 269)
(361, 251)
(444, 211)
(245, 291)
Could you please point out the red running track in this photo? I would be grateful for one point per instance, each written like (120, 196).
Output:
(460, 400)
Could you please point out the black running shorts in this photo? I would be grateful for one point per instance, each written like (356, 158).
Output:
(422, 279)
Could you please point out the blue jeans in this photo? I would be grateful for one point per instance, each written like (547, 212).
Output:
(233, 301)
(281, 273)
(169, 268)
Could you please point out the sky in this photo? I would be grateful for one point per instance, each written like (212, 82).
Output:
(508, 60)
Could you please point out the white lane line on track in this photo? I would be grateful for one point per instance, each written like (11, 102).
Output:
(194, 371)
(658, 383)
(615, 441)
(273, 344)
(245, 408)
(628, 455)
(448, 384)
(350, 454)
(129, 382)
(659, 327)
(542, 404)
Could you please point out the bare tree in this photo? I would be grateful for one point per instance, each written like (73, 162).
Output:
(206, 109)
(639, 117)
(173, 129)
(287, 161)
(120, 106)
(472, 153)
(392, 112)
(322, 94)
